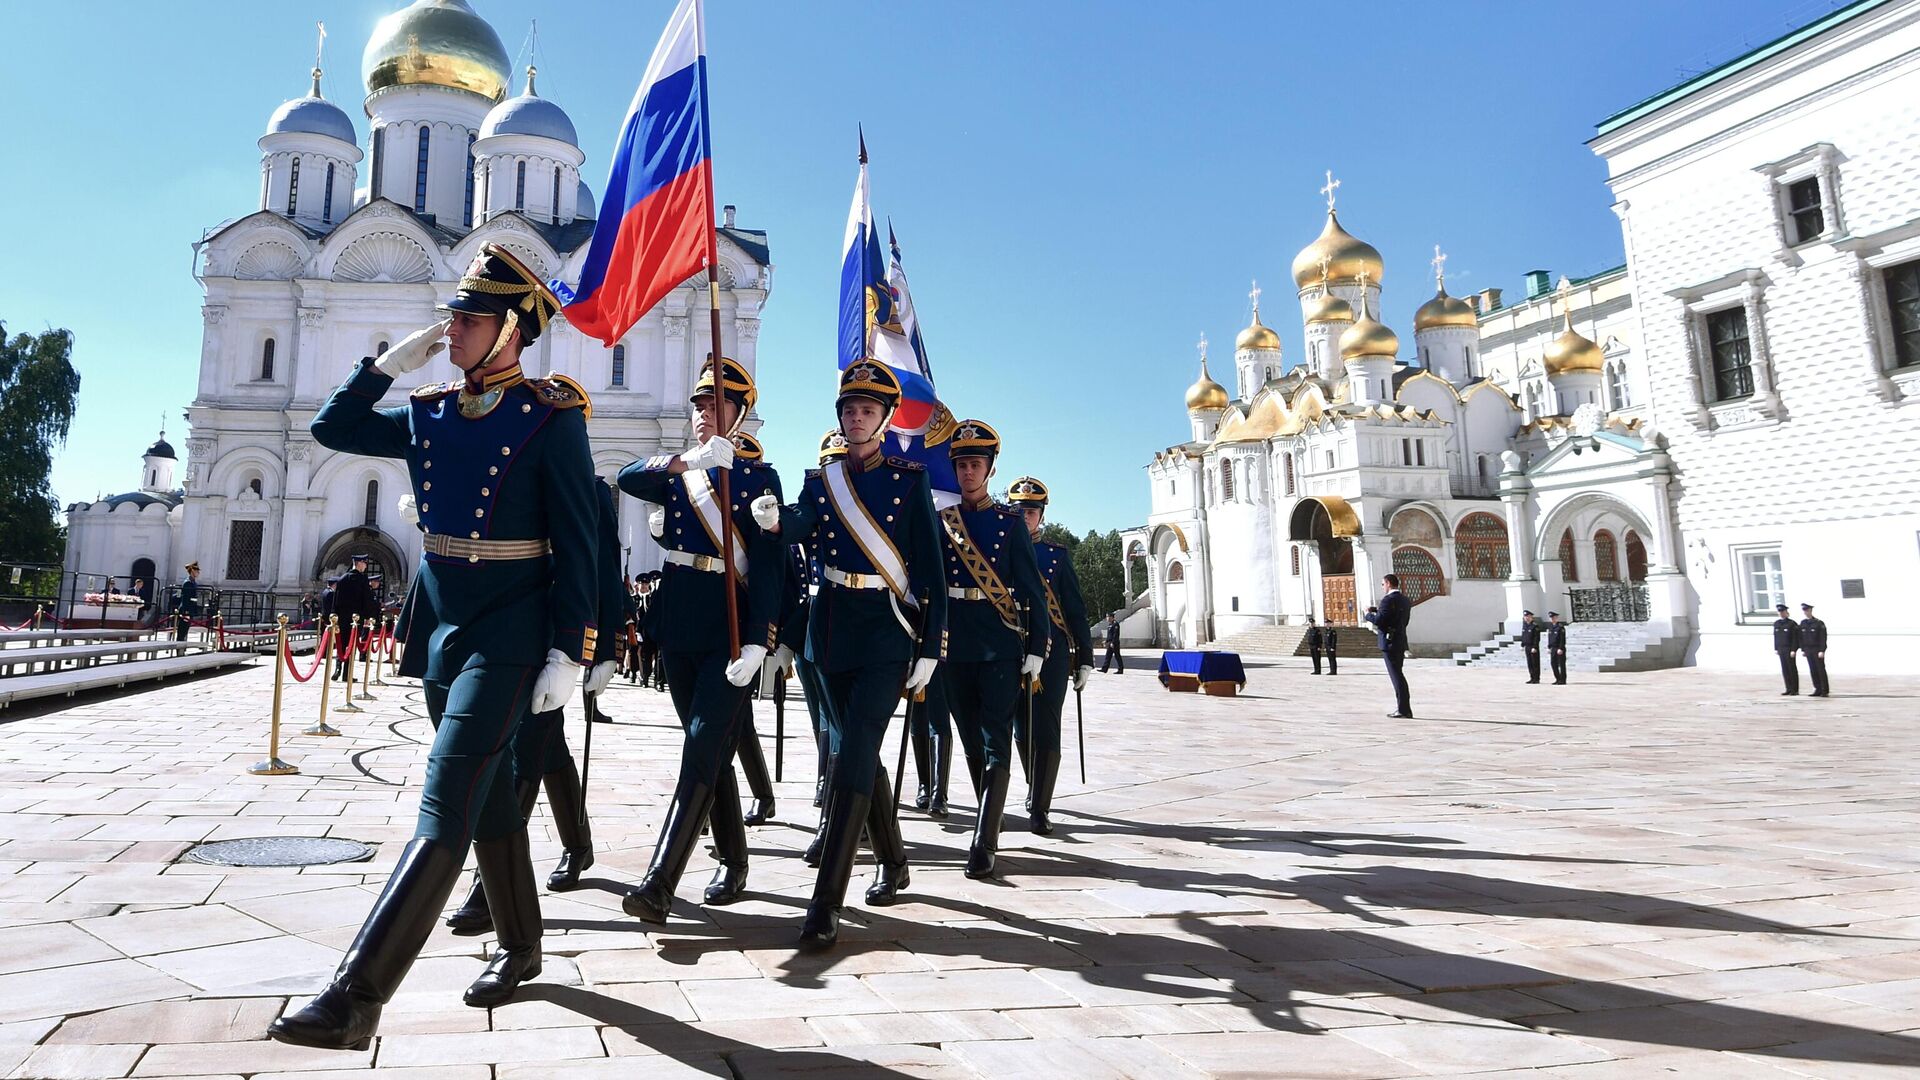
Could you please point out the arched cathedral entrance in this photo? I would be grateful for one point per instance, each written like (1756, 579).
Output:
(1326, 523)
(384, 560)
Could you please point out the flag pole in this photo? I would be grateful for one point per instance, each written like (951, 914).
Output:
(719, 354)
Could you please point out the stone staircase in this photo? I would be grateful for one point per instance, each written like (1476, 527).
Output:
(1265, 641)
(1591, 646)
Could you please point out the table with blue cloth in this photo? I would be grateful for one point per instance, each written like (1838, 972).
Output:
(1203, 671)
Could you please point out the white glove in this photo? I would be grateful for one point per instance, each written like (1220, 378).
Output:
(1030, 667)
(742, 671)
(783, 658)
(598, 676)
(554, 688)
(922, 674)
(1080, 676)
(409, 510)
(715, 453)
(657, 522)
(766, 512)
(413, 351)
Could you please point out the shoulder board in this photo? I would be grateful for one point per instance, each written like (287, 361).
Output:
(813, 474)
(562, 392)
(906, 463)
(432, 391)
(1007, 509)
(1049, 545)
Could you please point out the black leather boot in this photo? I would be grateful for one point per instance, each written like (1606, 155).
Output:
(652, 900)
(922, 767)
(506, 866)
(823, 767)
(753, 765)
(889, 850)
(942, 772)
(846, 816)
(345, 1014)
(812, 855)
(729, 842)
(472, 916)
(986, 828)
(1046, 772)
(570, 825)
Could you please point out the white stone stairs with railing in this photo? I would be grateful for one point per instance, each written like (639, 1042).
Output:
(1274, 640)
(1591, 646)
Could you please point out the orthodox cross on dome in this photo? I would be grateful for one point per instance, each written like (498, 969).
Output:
(1565, 293)
(1360, 279)
(1254, 295)
(319, 47)
(1332, 186)
(1439, 268)
(1202, 346)
(531, 72)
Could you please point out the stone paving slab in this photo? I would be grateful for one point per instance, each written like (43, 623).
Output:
(1671, 873)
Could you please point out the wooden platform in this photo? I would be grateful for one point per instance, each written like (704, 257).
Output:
(56, 657)
(75, 680)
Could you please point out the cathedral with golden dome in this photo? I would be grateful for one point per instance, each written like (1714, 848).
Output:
(1503, 428)
(362, 228)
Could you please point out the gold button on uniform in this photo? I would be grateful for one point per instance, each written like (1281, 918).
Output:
(493, 470)
(424, 508)
(483, 513)
(426, 444)
(526, 408)
(506, 450)
(474, 535)
(486, 491)
(473, 558)
(426, 485)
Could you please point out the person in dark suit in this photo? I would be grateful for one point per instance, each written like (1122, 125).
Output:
(1112, 655)
(1389, 620)
(1786, 642)
(1330, 644)
(1557, 648)
(186, 604)
(353, 596)
(1530, 644)
(1313, 643)
(1813, 645)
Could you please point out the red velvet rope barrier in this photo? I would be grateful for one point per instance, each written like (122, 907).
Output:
(319, 654)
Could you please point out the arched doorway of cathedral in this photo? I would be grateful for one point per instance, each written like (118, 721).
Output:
(1177, 614)
(384, 560)
(142, 583)
(1602, 557)
(1327, 523)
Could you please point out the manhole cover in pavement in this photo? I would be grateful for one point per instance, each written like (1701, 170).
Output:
(281, 851)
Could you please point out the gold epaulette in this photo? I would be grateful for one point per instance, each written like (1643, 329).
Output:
(434, 390)
(562, 392)
(906, 463)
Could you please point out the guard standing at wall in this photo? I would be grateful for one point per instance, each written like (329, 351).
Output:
(1330, 642)
(998, 629)
(1530, 645)
(707, 685)
(1069, 657)
(500, 619)
(1557, 648)
(878, 629)
(1813, 645)
(1786, 642)
(353, 595)
(186, 603)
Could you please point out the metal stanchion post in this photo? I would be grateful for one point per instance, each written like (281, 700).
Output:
(326, 640)
(366, 666)
(346, 701)
(273, 766)
(219, 630)
(38, 611)
(379, 650)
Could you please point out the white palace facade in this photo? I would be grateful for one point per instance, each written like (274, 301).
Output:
(351, 247)
(1729, 421)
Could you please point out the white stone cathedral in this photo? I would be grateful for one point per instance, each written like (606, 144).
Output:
(336, 263)
(1664, 451)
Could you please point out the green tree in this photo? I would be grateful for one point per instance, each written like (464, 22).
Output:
(39, 390)
(1096, 561)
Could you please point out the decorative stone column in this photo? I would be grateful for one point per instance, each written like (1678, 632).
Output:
(1523, 587)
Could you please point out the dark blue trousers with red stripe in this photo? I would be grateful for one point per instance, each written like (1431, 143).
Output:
(468, 793)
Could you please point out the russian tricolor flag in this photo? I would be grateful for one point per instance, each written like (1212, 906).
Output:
(656, 220)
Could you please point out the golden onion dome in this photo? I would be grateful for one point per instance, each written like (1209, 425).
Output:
(1368, 338)
(1257, 336)
(1572, 353)
(1445, 312)
(436, 43)
(1345, 257)
(1330, 308)
(1205, 394)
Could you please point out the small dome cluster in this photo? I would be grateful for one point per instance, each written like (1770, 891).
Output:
(312, 115)
(529, 114)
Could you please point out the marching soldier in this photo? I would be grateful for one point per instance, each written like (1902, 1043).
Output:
(871, 523)
(1786, 642)
(997, 626)
(1557, 648)
(1813, 645)
(1112, 655)
(540, 754)
(186, 604)
(1530, 645)
(748, 751)
(707, 685)
(501, 619)
(804, 583)
(1313, 643)
(1069, 656)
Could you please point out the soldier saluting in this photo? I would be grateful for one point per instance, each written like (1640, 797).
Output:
(499, 621)
(1069, 656)
(870, 521)
(708, 685)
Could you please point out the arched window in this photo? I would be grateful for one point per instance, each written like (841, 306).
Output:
(1636, 557)
(1480, 544)
(1289, 471)
(466, 214)
(1619, 394)
(1176, 572)
(520, 186)
(1606, 557)
(420, 173)
(1295, 552)
(1533, 401)
(326, 203)
(254, 486)
(373, 504)
(1226, 480)
(1419, 571)
(266, 359)
(1313, 354)
(555, 216)
(619, 365)
(1569, 562)
(379, 155)
(293, 187)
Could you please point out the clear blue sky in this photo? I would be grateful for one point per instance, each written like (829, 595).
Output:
(1081, 188)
